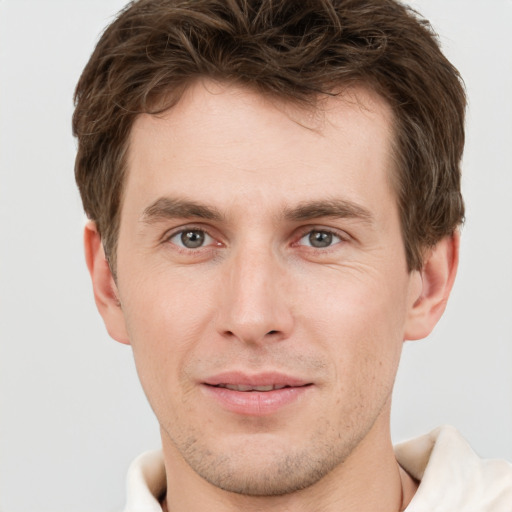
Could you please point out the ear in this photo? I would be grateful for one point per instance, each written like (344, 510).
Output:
(437, 277)
(104, 286)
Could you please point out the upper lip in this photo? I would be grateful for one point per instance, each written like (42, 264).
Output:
(252, 380)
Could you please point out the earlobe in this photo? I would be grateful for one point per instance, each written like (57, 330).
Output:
(437, 278)
(104, 287)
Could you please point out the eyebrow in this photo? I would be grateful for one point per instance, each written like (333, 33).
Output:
(335, 208)
(171, 208)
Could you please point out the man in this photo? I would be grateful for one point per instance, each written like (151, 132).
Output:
(273, 190)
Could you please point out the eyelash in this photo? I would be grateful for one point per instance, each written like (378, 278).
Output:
(341, 237)
(305, 232)
(189, 229)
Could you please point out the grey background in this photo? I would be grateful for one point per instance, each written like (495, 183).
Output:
(72, 414)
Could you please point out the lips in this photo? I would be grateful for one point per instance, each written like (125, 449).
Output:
(242, 387)
(255, 395)
(252, 381)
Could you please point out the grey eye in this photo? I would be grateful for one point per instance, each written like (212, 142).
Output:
(191, 239)
(320, 239)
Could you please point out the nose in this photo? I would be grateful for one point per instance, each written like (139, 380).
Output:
(255, 305)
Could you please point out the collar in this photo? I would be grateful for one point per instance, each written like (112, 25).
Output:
(453, 477)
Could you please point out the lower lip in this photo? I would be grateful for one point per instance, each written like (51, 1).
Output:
(255, 403)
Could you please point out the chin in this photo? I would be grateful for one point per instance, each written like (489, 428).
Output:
(264, 467)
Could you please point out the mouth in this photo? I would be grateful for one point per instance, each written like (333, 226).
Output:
(245, 388)
(257, 395)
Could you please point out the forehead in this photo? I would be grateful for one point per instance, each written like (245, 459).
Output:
(231, 139)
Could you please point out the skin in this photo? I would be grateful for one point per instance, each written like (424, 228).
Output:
(257, 183)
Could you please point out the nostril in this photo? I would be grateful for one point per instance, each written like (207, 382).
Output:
(272, 332)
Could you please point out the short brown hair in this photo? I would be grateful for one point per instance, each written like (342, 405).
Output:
(295, 50)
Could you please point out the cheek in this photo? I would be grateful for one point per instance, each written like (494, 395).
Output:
(165, 319)
(165, 307)
(356, 301)
(360, 321)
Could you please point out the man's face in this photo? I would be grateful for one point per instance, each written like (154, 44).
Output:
(263, 282)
